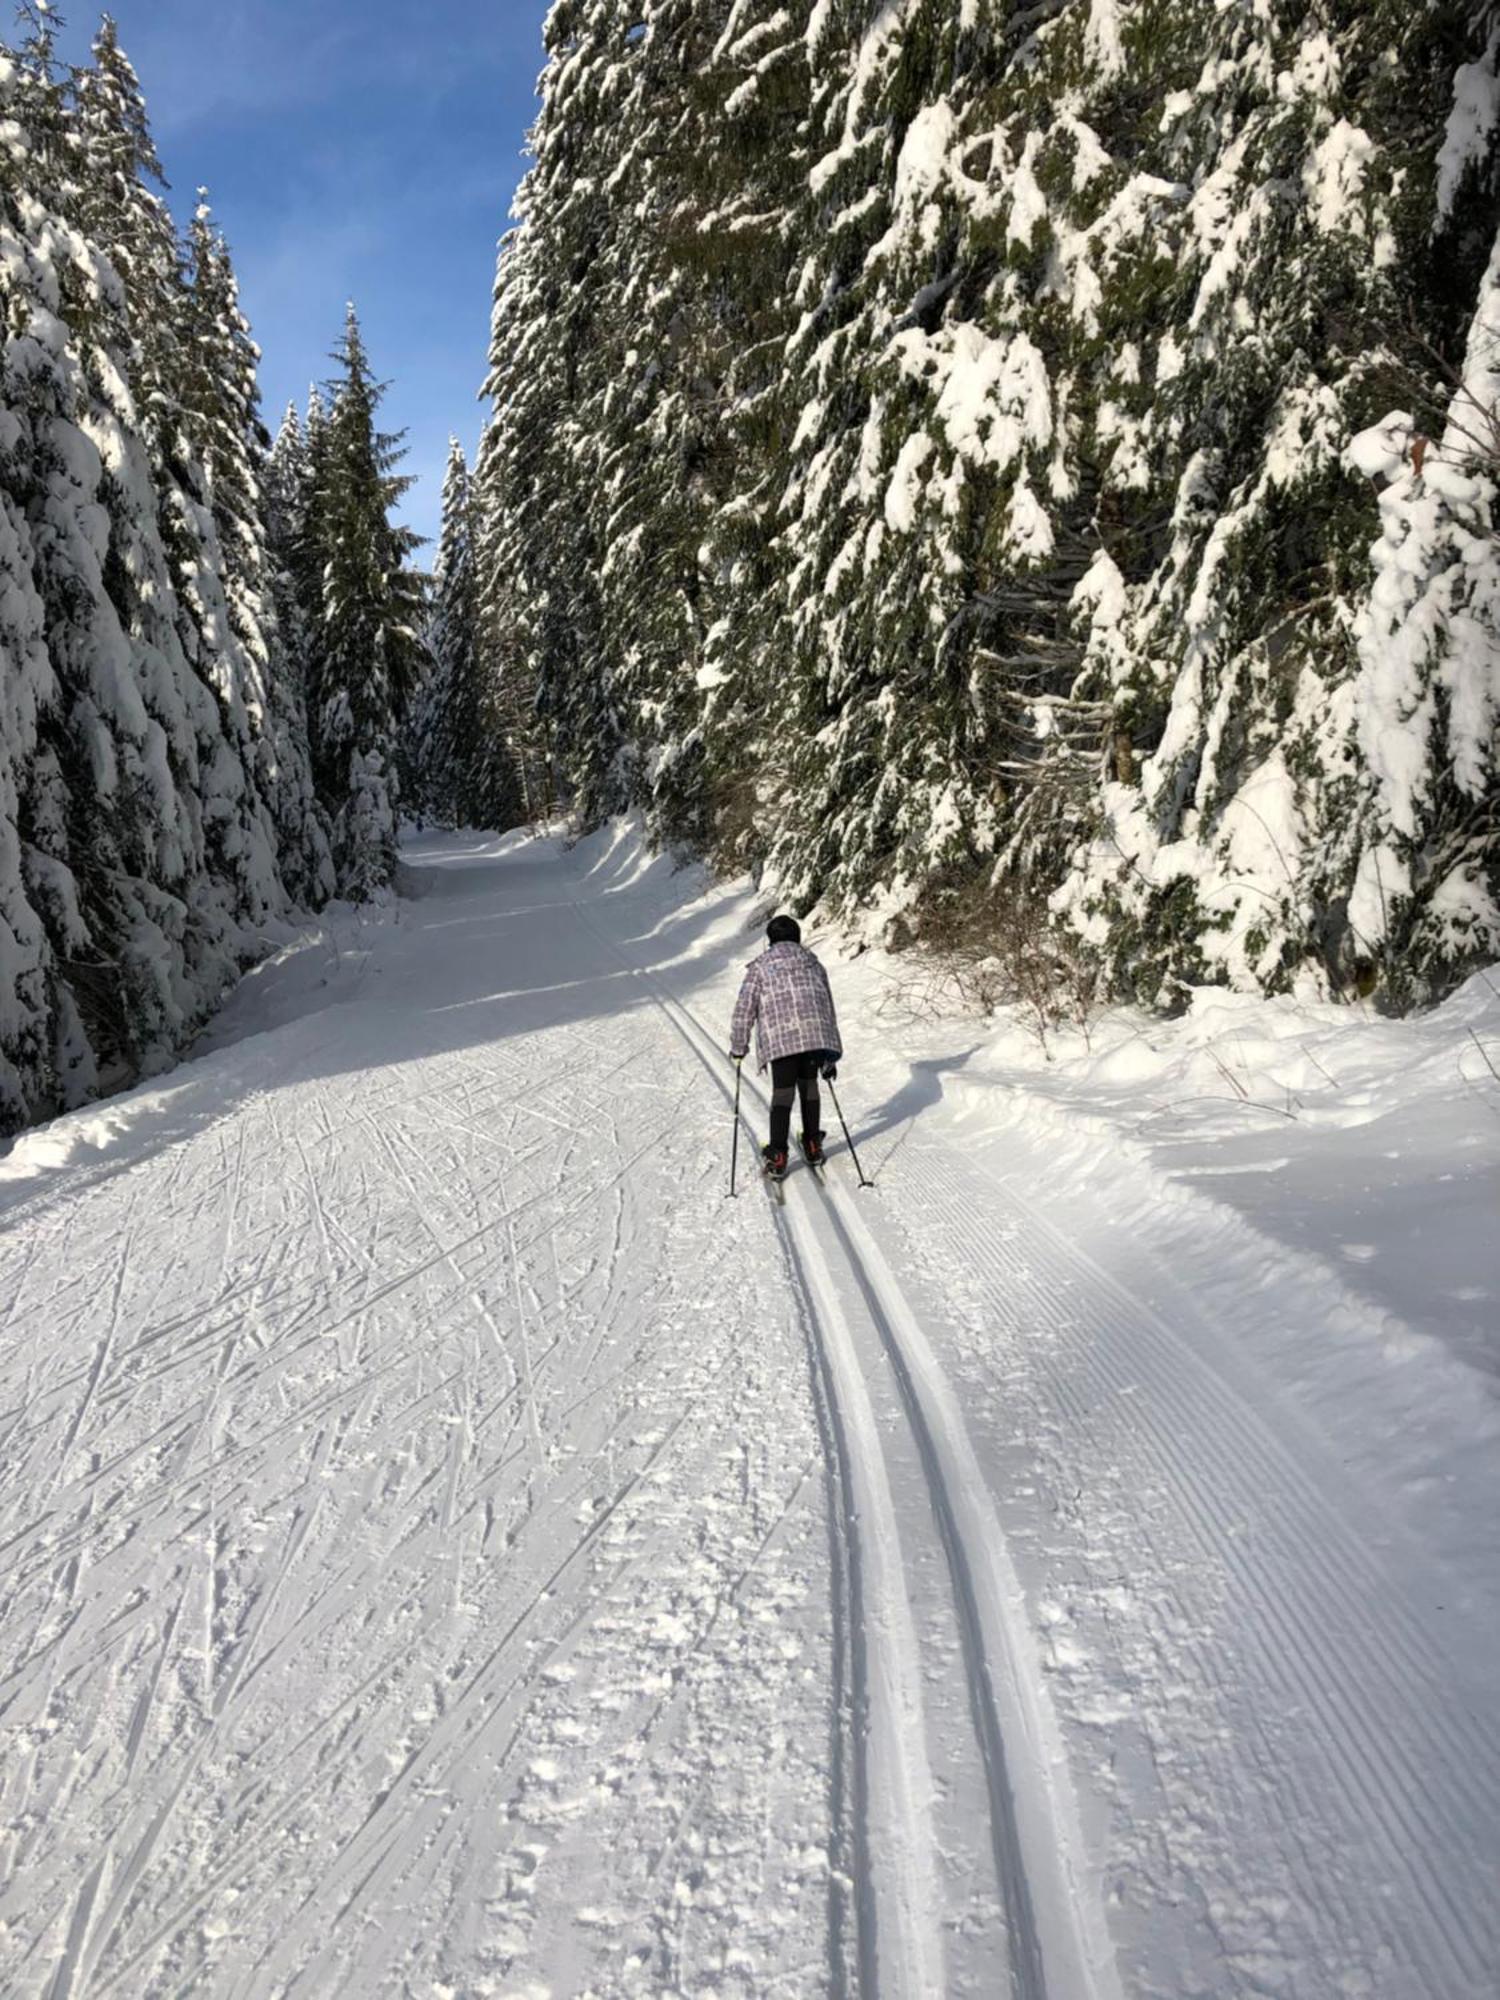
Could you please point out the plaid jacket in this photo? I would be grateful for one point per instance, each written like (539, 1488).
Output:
(787, 998)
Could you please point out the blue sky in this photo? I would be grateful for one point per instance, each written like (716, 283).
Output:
(356, 149)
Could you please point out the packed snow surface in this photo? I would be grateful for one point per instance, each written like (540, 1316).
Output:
(450, 1549)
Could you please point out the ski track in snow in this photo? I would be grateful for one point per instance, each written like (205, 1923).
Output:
(1039, 1896)
(446, 1549)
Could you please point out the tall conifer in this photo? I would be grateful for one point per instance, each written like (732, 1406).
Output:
(467, 758)
(141, 852)
(369, 652)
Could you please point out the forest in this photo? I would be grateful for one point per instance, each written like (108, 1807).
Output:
(1021, 481)
(1024, 477)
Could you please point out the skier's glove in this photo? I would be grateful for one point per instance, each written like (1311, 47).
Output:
(830, 1072)
(737, 1056)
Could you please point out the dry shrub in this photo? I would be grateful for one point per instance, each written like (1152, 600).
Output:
(736, 837)
(980, 946)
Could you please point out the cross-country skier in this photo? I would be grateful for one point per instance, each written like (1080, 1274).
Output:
(786, 998)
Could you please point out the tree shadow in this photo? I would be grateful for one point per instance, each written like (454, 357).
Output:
(484, 951)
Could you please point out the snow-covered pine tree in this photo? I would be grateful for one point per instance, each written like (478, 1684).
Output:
(1039, 564)
(121, 205)
(509, 662)
(460, 744)
(285, 495)
(909, 496)
(624, 477)
(448, 719)
(638, 411)
(219, 400)
(756, 85)
(306, 857)
(145, 778)
(44, 1055)
(1426, 894)
(192, 371)
(552, 352)
(653, 411)
(369, 655)
(1237, 839)
(144, 935)
(304, 482)
(696, 277)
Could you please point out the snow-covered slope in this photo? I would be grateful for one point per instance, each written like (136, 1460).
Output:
(451, 1549)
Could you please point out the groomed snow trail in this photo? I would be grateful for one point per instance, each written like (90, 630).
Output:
(447, 1549)
(941, 1556)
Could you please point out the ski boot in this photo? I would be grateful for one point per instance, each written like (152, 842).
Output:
(775, 1163)
(812, 1148)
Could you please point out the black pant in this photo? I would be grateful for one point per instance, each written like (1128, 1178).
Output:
(789, 1074)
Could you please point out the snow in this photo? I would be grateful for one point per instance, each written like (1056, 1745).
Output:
(450, 1548)
(1316, 71)
(1472, 124)
(905, 489)
(1432, 621)
(992, 393)
(1383, 451)
(1028, 527)
(1334, 176)
(1028, 205)
(922, 163)
(1102, 38)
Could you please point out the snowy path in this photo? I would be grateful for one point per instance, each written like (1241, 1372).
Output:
(933, 1561)
(445, 1549)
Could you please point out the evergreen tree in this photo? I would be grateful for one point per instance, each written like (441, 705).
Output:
(304, 470)
(181, 367)
(307, 861)
(121, 206)
(757, 82)
(228, 448)
(552, 359)
(117, 789)
(43, 1054)
(700, 271)
(510, 663)
(141, 764)
(1236, 832)
(639, 312)
(1427, 694)
(193, 373)
(468, 777)
(369, 652)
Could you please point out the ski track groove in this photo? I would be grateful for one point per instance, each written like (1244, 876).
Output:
(1063, 1948)
(100, 1364)
(473, 1694)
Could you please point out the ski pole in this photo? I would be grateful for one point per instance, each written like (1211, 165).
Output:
(847, 1140)
(734, 1157)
